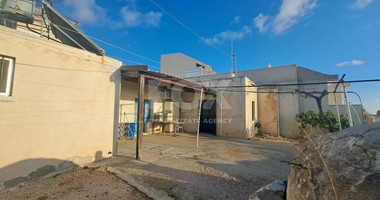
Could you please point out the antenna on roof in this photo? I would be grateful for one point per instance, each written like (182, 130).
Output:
(232, 55)
(233, 61)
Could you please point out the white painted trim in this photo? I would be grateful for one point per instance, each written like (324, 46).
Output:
(9, 77)
(6, 98)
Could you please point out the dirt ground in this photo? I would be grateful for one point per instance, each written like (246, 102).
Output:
(76, 184)
(222, 168)
(171, 168)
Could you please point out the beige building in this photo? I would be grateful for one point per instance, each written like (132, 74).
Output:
(56, 106)
(236, 109)
(168, 100)
(182, 66)
(276, 96)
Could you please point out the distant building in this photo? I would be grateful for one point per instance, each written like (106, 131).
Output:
(277, 106)
(182, 66)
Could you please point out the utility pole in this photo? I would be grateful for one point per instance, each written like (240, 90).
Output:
(140, 116)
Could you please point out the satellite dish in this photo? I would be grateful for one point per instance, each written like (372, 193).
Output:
(18, 10)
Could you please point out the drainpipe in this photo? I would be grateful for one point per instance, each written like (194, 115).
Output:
(117, 81)
(278, 112)
(221, 112)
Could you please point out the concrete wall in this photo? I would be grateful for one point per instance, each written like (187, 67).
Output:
(176, 63)
(234, 109)
(129, 92)
(61, 109)
(274, 75)
(189, 112)
(288, 103)
(268, 111)
(309, 76)
(356, 112)
(251, 113)
(291, 104)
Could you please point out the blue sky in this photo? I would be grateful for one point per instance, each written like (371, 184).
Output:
(333, 37)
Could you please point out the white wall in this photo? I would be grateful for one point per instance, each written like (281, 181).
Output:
(61, 109)
(233, 109)
(176, 63)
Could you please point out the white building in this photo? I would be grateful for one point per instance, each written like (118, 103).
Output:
(277, 105)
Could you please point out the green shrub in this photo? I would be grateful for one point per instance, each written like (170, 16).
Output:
(314, 120)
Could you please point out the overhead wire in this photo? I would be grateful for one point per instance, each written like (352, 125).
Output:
(120, 48)
(296, 84)
(131, 61)
(112, 45)
(122, 59)
(188, 28)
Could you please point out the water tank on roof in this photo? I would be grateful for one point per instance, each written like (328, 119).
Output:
(18, 10)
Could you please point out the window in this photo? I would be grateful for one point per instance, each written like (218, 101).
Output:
(253, 111)
(199, 65)
(6, 75)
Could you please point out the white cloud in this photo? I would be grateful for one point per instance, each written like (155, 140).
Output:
(360, 4)
(290, 13)
(228, 35)
(236, 20)
(132, 17)
(86, 11)
(260, 21)
(349, 63)
(153, 18)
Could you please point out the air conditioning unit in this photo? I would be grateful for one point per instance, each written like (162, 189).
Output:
(165, 93)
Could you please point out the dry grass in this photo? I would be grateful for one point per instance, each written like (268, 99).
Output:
(314, 135)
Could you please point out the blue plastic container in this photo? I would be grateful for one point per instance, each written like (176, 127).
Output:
(132, 130)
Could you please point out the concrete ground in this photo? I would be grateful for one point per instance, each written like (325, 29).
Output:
(222, 168)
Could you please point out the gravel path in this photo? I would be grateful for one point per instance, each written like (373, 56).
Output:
(76, 184)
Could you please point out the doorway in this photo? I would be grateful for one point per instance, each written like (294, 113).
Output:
(208, 117)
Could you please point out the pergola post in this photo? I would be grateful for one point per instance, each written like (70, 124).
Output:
(199, 115)
(140, 116)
